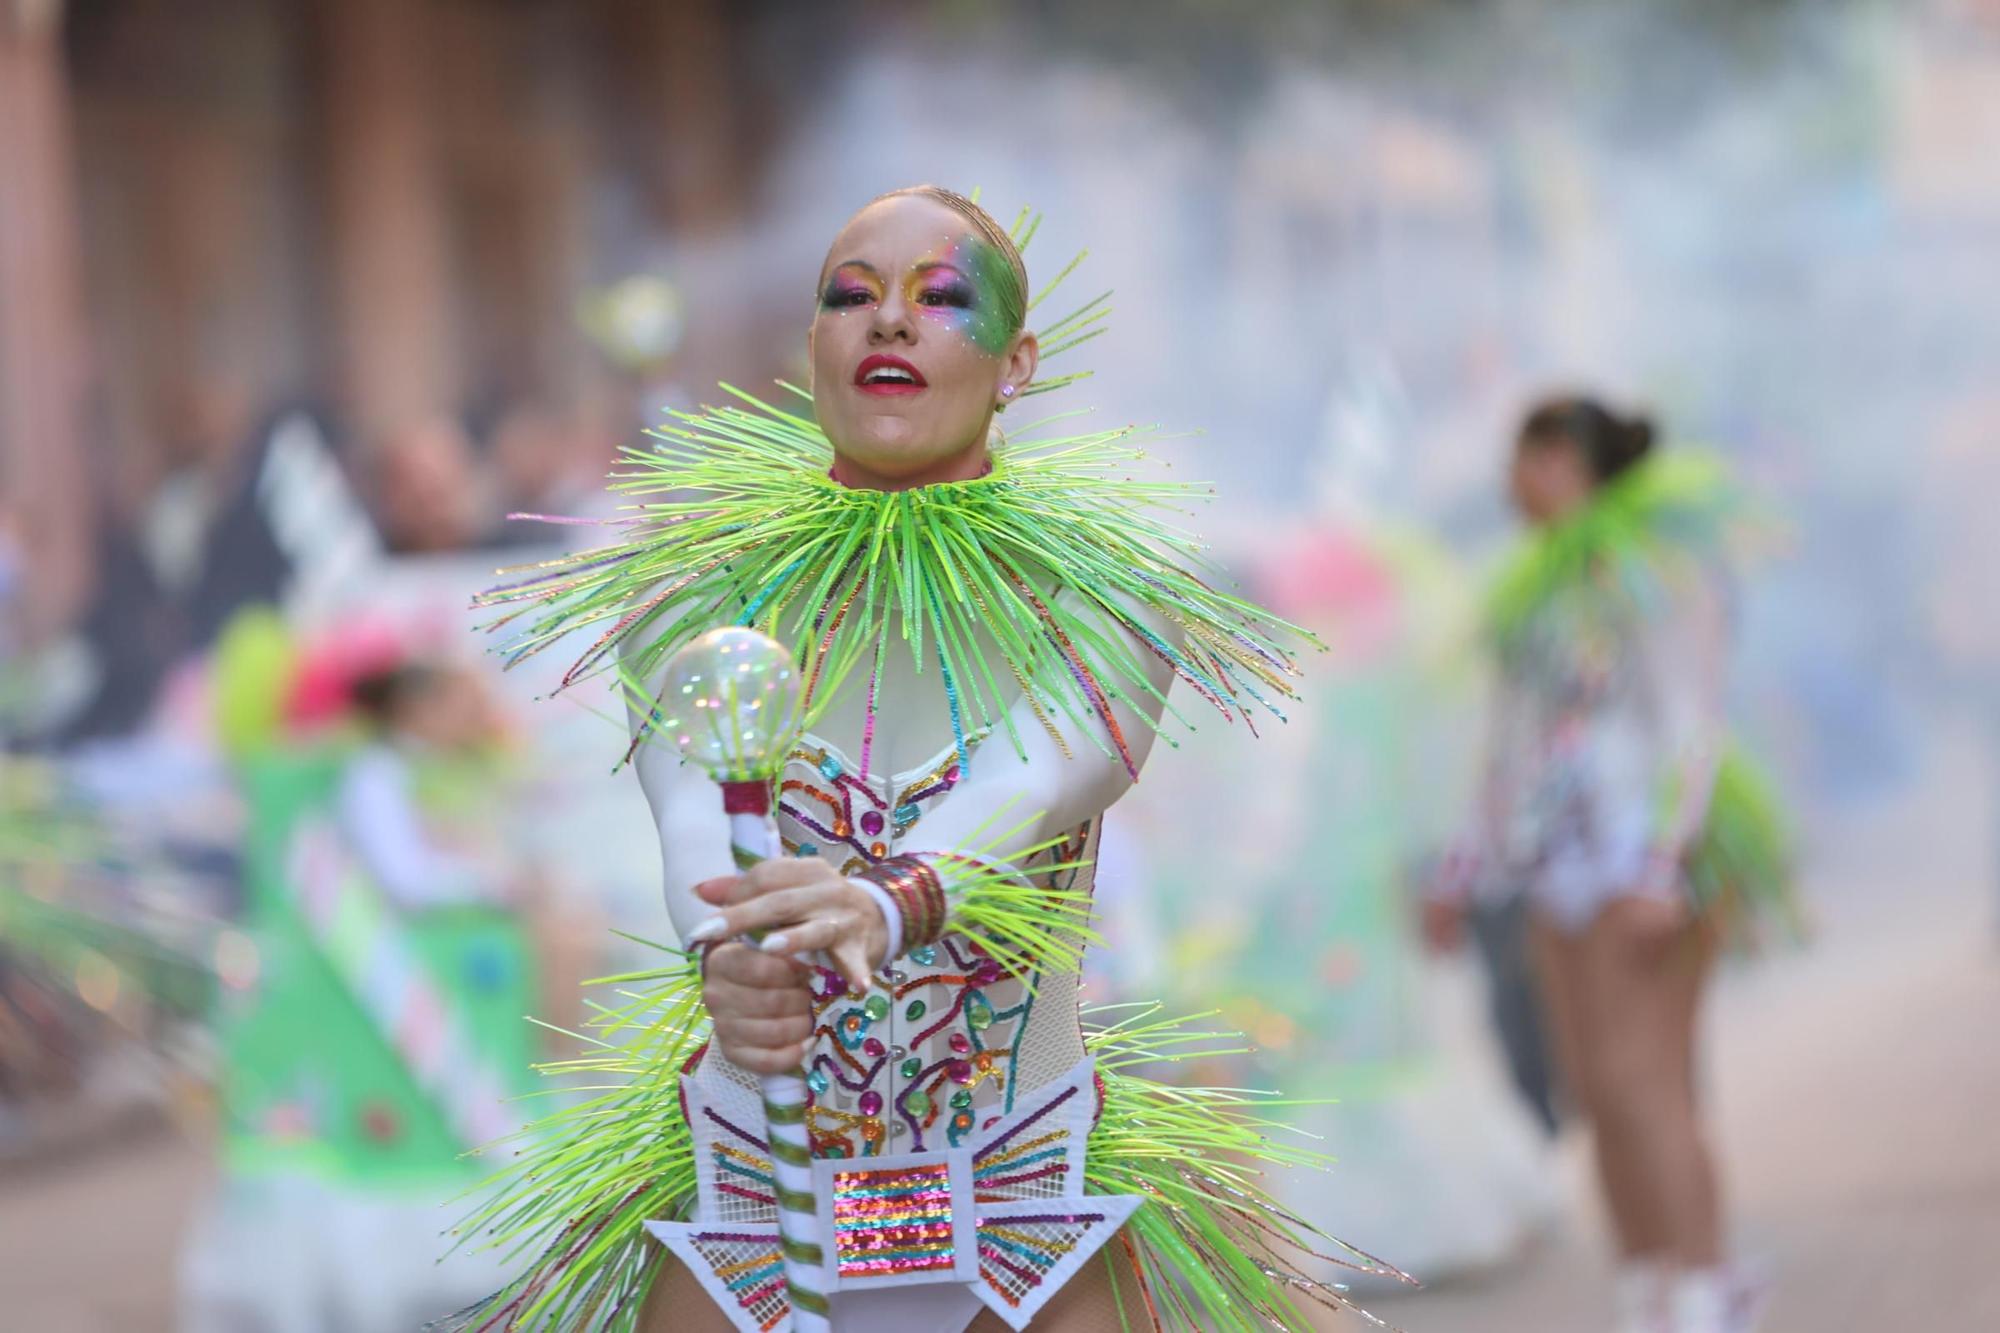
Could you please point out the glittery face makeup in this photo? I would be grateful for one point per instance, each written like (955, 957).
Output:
(961, 290)
(914, 335)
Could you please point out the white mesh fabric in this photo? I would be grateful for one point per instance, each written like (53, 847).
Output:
(1053, 1042)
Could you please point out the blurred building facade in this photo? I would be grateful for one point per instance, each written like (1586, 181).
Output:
(386, 208)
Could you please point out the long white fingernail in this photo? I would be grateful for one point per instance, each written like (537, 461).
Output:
(708, 930)
(774, 944)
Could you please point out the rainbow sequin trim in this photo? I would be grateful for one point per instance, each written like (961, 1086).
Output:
(892, 1221)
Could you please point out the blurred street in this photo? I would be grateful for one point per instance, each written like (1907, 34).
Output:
(1879, 1209)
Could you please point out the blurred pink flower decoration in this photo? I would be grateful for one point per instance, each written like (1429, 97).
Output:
(1330, 580)
(323, 689)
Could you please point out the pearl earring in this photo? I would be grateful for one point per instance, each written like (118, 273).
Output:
(1006, 391)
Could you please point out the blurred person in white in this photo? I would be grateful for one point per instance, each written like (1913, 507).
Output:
(425, 802)
(1608, 779)
(415, 710)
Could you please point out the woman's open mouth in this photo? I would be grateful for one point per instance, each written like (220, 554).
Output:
(888, 375)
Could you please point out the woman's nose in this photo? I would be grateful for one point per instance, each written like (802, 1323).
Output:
(892, 320)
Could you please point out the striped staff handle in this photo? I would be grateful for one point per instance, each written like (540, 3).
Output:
(753, 837)
(729, 703)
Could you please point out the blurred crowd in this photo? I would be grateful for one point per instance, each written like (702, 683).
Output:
(264, 505)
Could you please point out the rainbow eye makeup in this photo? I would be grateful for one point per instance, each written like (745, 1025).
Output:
(957, 288)
(850, 286)
(946, 294)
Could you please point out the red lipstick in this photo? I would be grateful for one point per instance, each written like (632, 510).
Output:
(889, 376)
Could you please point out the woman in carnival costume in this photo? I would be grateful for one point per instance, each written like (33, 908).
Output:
(1003, 620)
(1614, 799)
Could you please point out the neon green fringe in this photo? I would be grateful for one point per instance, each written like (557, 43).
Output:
(1677, 503)
(1740, 870)
(1056, 558)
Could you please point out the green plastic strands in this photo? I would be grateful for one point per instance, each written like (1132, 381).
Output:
(1740, 869)
(61, 917)
(1049, 557)
(1053, 558)
(1680, 502)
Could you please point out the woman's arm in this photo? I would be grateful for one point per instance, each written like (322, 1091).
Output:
(692, 826)
(760, 1003)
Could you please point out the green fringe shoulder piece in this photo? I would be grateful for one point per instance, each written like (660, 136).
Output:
(1678, 504)
(1211, 1250)
(1053, 557)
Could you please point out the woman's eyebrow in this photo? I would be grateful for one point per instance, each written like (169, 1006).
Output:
(854, 263)
(932, 265)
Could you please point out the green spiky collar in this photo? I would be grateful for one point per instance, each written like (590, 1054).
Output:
(1676, 504)
(1059, 555)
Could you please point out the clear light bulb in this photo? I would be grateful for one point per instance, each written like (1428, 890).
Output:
(729, 703)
